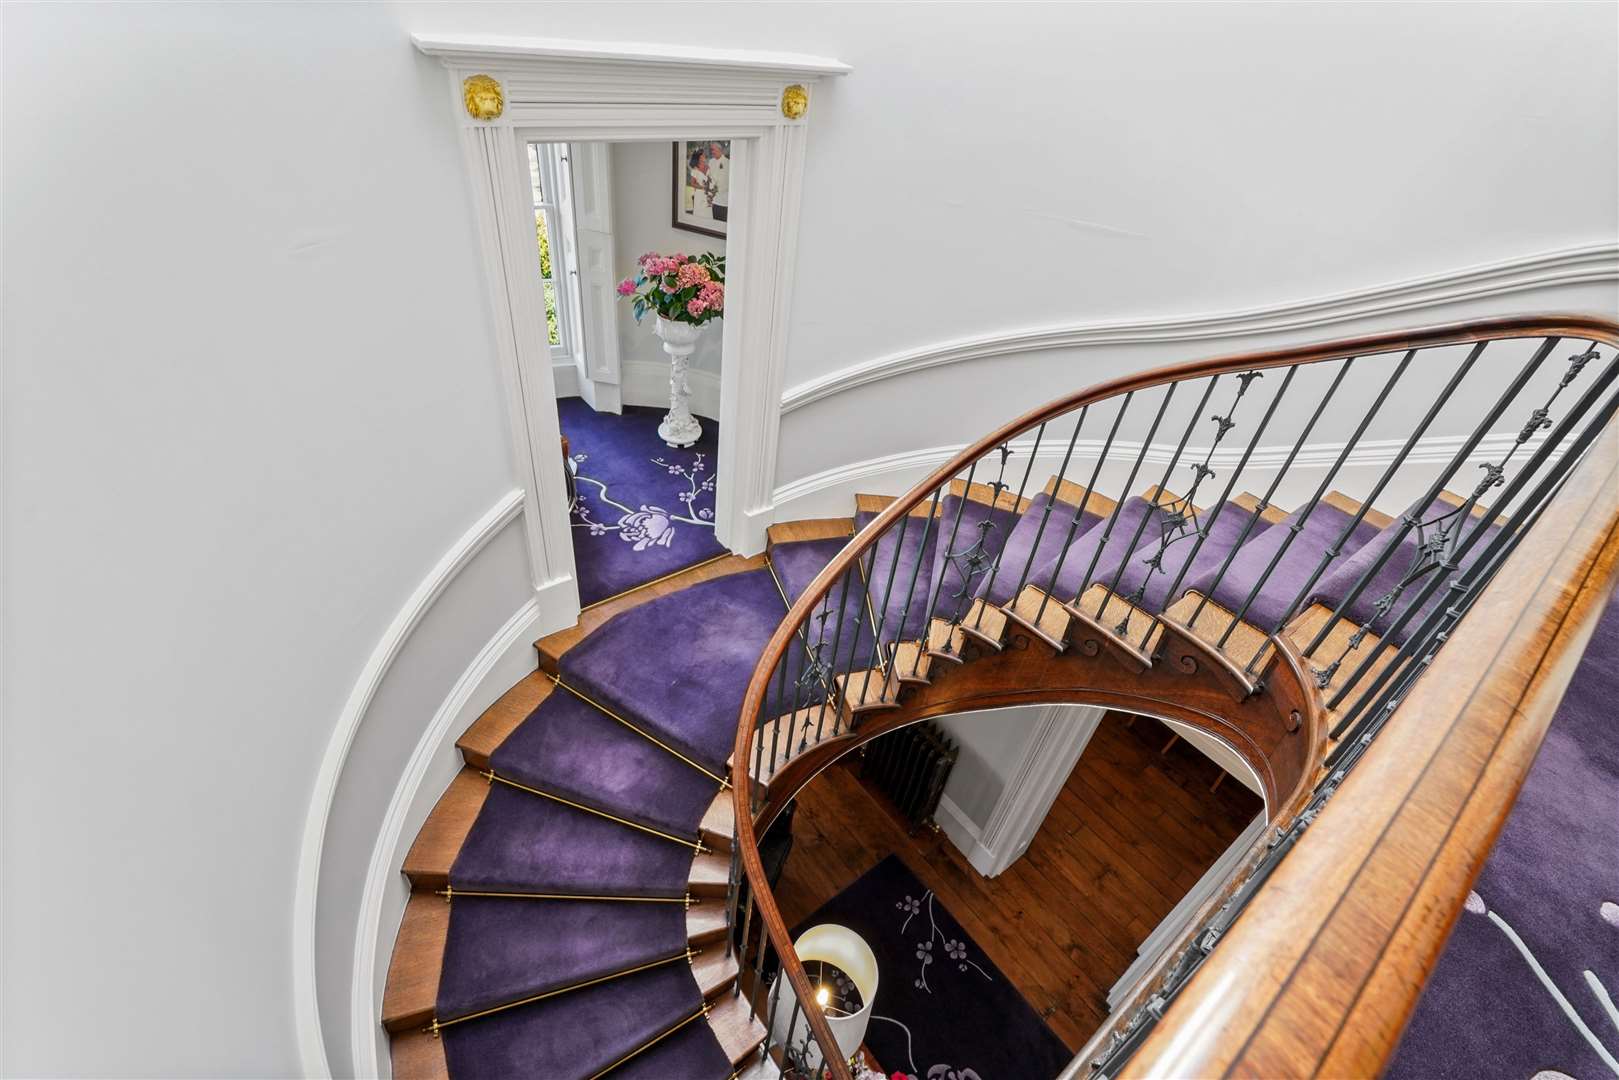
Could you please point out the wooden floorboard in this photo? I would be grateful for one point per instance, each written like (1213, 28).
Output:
(1131, 831)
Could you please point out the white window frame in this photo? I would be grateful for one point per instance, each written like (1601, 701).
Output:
(552, 200)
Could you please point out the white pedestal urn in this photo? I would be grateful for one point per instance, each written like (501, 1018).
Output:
(679, 428)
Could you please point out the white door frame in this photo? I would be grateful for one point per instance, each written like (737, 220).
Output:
(511, 91)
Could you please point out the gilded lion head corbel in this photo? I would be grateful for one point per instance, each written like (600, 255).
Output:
(483, 97)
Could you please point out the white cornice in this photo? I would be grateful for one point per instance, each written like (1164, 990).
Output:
(1569, 266)
(502, 50)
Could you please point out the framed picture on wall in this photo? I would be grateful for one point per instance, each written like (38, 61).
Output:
(702, 186)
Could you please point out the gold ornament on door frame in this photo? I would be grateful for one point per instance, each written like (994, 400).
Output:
(794, 102)
(483, 97)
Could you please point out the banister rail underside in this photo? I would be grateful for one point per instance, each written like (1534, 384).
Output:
(1300, 670)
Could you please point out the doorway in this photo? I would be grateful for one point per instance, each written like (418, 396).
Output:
(631, 241)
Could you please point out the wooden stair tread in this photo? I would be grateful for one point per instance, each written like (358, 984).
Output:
(705, 921)
(985, 622)
(1050, 625)
(1106, 612)
(738, 1031)
(1250, 502)
(788, 732)
(411, 993)
(1074, 495)
(876, 504)
(438, 843)
(942, 633)
(1479, 509)
(552, 647)
(866, 690)
(713, 969)
(1303, 629)
(1339, 501)
(911, 662)
(710, 874)
(984, 494)
(719, 822)
(498, 721)
(791, 532)
(416, 1055)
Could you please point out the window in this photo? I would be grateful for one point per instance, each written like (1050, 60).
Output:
(553, 233)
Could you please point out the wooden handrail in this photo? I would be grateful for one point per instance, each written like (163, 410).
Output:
(775, 650)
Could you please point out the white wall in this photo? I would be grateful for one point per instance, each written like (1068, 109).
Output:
(641, 185)
(251, 398)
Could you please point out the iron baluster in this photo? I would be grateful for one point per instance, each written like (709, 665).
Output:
(916, 571)
(1124, 494)
(1045, 515)
(1270, 491)
(1337, 546)
(1411, 518)
(1079, 511)
(1175, 512)
(888, 594)
(995, 569)
(832, 672)
(976, 556)
(937, 587)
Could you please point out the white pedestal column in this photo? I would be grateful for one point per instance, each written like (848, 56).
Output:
(679, 427)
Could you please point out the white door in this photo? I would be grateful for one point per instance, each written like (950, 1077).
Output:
(591, 193)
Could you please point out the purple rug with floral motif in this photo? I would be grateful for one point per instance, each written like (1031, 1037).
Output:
(943, 1011)
(641, 509)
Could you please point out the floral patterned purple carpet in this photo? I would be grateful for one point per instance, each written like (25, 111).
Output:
(1525, 987)
(942, 1009)
(641, 510)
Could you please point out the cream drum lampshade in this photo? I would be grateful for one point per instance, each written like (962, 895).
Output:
(825, 949)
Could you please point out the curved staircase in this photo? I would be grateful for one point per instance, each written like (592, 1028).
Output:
(584, 901)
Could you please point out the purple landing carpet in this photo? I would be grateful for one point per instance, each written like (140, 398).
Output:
(1317, 532)
(942, 1008)
(1526, 985)
(907, 610)
(574, 1035)
(641, 510)
(499, 951)
(571, 748)
(1040, 531)
(678, 667)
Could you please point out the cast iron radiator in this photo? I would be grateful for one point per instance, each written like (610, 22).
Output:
(910, 766)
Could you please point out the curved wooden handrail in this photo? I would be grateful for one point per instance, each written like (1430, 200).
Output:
(758, 688)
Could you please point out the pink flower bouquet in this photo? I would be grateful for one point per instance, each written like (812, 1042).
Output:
(679, 287)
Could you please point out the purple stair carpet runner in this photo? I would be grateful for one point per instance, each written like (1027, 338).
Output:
(965, 551)
(577, 1034)
(690, 1053)
(1227, 529)
(500, 951)
(525, 843)
(906, 616)
(1015, 555)
(573, 749)
(642, 510)
(1316, 534)
(1340, 581)
(1490, 1008)
(678, 667)
(1113, 545)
